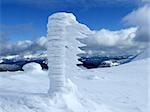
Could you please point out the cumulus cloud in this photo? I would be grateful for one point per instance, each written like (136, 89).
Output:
(106, 42)
(141, 19)
(112, 38)
(22, 47)
(102, 42)
(42, 41)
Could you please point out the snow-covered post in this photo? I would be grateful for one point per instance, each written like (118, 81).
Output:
(63, 47)
(56, 54)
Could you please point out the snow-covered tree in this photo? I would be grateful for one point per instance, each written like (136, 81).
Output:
(63, 47)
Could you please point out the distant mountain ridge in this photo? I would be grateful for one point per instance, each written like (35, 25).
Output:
(16, 62)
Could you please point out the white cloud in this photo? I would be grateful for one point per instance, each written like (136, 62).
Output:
(106, 42)
(140, 18)
(42, 41)
(21, 47)
(146, 1)
(112, 38)
(103, 42)
(24, 44)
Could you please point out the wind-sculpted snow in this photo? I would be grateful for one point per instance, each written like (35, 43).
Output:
(56, 49)
(63, 47)
(32, 67)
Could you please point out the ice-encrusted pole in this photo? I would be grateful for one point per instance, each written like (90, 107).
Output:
(56, 50)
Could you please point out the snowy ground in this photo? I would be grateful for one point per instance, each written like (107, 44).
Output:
(117, 89)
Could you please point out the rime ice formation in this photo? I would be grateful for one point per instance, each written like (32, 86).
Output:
(63, 47)
(56, 52)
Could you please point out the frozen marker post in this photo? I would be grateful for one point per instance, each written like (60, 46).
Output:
(56, 51)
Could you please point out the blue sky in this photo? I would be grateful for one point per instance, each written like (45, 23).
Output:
(27, 19)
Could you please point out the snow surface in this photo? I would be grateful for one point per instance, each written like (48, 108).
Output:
(117, 89)
(32, 66)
